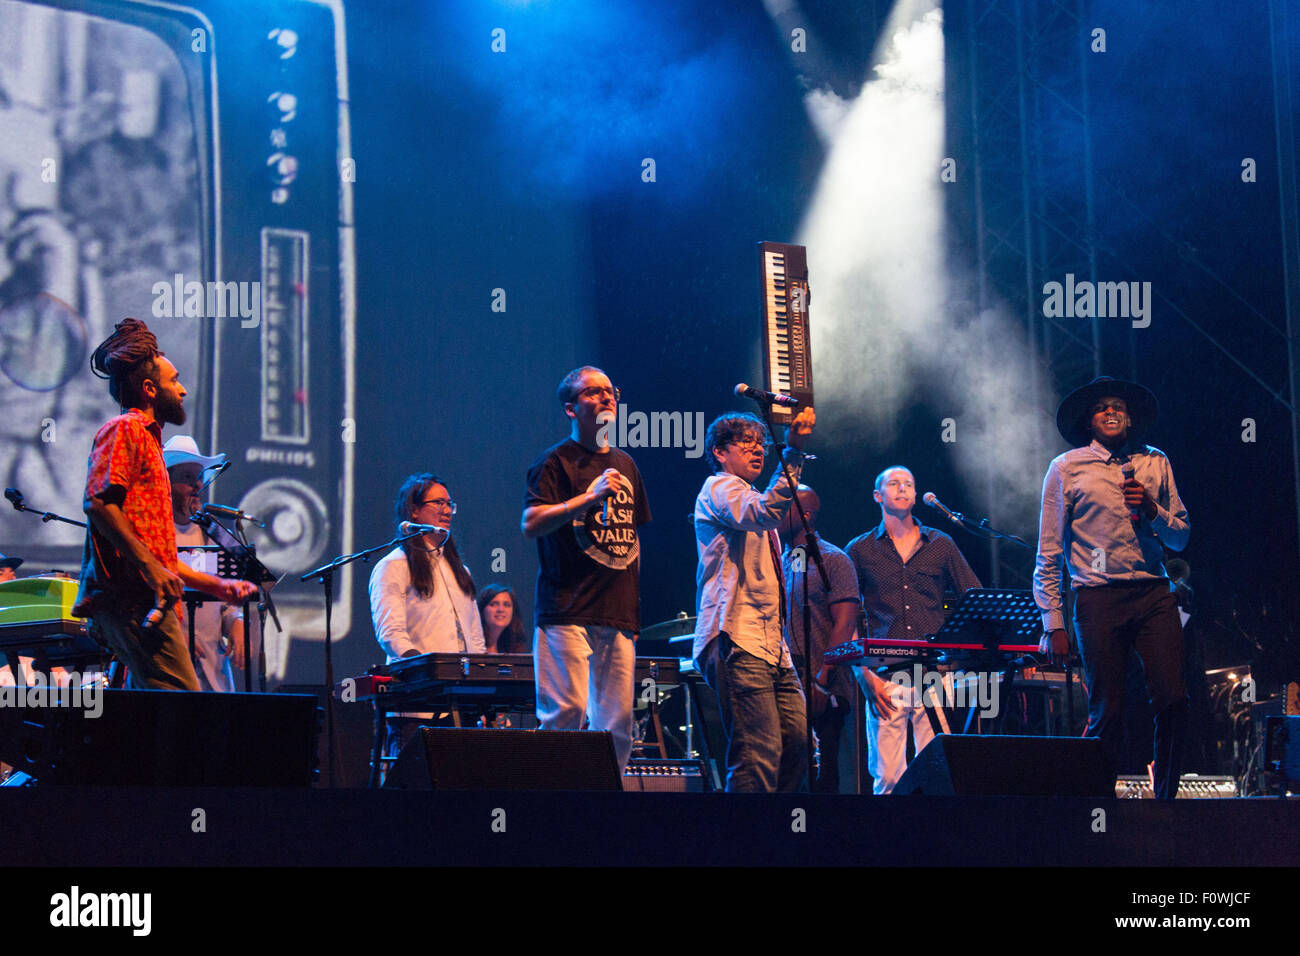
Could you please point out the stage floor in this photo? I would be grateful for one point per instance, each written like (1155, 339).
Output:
(132, 826)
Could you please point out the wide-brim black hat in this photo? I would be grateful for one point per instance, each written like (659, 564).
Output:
(7, 562)
(1074, 414)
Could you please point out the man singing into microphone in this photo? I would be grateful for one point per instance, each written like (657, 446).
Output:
(131, 580)
(218, 630)
(583, 504)
(1110, 504)
(903, 569)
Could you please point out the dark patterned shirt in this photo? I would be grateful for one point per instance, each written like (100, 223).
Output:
(905, 601)
(797, 565)
(126, 469)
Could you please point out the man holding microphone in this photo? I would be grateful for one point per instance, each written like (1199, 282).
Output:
(1109, 505)
(131, 579)
(583, 504)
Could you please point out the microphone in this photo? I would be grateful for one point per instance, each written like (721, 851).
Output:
(410, 527)
(605, 419)
(767, 398)
(931, 499)
(1126, 468)
(15, 497)
(225, 511)
(155, 616)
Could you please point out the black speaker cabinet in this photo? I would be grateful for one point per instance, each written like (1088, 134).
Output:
(967, 764)
(166, 738)
(461, 758)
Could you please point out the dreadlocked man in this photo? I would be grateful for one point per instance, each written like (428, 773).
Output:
(130, 569)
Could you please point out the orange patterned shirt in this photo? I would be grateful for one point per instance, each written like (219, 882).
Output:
(126, 468)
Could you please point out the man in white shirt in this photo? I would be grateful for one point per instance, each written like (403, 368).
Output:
(739, 645)
(218, 627)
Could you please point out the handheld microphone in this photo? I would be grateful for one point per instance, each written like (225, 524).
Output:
(155, 616)
(225, 511)
(15, 497)
(931, 499)
(410, 527)
(605, 419)
(767, 398)
(1126, 468)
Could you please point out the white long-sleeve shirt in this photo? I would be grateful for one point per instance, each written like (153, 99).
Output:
(738, 583)
(405, 621)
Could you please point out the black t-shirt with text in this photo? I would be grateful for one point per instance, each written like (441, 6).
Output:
(589, 569)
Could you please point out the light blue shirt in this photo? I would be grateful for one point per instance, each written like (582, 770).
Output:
(1084, 516)
(738, 582)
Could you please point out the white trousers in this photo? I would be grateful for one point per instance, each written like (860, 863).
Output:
(887, 738)
(583, 670)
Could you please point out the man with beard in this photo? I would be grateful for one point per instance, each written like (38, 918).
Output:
(131, 579)
(218, 629)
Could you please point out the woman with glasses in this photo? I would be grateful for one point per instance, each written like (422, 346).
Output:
(421, 593)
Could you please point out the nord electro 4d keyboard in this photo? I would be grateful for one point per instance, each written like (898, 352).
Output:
(985, 623)
(881, 652)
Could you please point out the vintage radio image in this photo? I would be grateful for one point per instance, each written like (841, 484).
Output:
(189, 165)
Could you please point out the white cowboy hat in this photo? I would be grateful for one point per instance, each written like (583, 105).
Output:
(181, 450)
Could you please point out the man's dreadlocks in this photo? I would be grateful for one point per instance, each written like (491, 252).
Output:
(126, 358)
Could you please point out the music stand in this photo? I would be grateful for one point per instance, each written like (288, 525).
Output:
(994, 618)
(238, 560)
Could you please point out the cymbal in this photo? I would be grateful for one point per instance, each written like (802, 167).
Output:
(678, 626)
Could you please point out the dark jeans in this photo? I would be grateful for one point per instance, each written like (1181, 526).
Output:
(763, 716)
(1144, 616)
(831, 728)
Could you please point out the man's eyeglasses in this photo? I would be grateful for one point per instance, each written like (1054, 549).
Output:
(442, 504)
(600, 391)
(749, 444)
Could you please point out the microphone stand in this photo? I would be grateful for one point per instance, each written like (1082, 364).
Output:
(983, 529)
(325, 574)
(810, 547)
(16, 499)
(245, 565)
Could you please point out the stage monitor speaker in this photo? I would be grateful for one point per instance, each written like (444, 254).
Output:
(968, 764)
(165, 738)
(461, 758)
